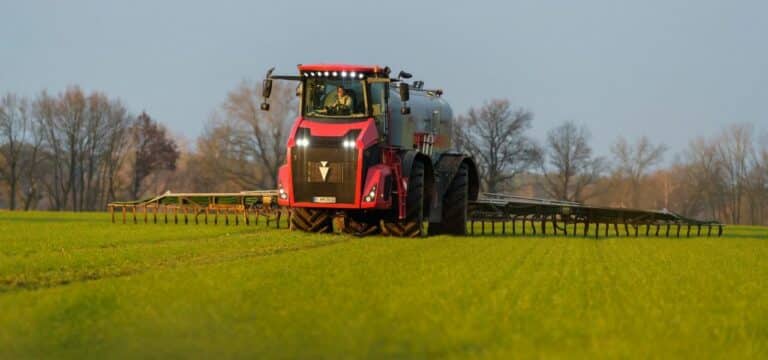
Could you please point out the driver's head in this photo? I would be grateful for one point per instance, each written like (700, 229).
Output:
(339, 91)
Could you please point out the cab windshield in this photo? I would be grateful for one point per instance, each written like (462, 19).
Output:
(334, 98)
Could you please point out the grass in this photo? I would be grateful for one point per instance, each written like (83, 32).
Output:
(75, 285)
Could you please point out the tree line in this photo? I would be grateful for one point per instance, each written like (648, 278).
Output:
(78, 151)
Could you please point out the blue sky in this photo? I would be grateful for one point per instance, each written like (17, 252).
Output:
(669, 69)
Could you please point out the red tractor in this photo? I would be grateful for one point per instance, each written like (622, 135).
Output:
(375, 151)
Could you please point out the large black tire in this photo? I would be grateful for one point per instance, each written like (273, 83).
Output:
(413, 224)
(311, 220)
(454, 219)
(361, 225)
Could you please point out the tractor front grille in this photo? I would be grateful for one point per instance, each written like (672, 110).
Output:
(308, 165)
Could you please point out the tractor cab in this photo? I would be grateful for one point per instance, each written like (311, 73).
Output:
(345, 93)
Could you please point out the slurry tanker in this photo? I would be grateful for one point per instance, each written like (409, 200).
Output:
(370, 153)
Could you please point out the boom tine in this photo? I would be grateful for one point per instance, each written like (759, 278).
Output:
(668, 226)
(554, 224)
(277, 219)
(565, 226)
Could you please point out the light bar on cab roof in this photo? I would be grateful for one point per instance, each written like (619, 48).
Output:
(343, 74)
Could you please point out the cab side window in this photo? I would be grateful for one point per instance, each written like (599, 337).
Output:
(379, 91)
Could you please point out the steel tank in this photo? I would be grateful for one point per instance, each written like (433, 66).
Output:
(430, 114)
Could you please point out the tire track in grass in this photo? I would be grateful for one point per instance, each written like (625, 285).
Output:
(93, 239)
(54, 279)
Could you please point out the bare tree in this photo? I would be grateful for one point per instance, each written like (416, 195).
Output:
(82, 141)
(758, 184)
(734, 149)
(242, 144)
(115, 151)
(568, 166)
(15, 129)
(32, 169)
(633, 161)
(154, 150)
(495, 135)
(703, 175)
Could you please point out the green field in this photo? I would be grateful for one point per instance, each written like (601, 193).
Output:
(75, 285)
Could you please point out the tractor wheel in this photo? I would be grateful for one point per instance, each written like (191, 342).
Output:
(311, 220)
(412, 225)
(360, 225)
(454, 219)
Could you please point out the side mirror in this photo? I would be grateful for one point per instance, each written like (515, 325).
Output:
(266, 89)
(405, 95)
(404, 75)
(405, 92)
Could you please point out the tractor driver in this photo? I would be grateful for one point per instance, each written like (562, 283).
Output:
(343, 102)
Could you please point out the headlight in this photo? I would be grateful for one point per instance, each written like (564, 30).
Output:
(348, 144)
(283, 195)
(371, 196)
(302, 142)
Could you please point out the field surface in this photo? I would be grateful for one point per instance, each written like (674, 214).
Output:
(75, 285)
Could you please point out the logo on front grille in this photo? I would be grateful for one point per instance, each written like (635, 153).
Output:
(324, 170)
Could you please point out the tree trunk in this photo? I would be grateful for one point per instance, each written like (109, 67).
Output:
(12, 191)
